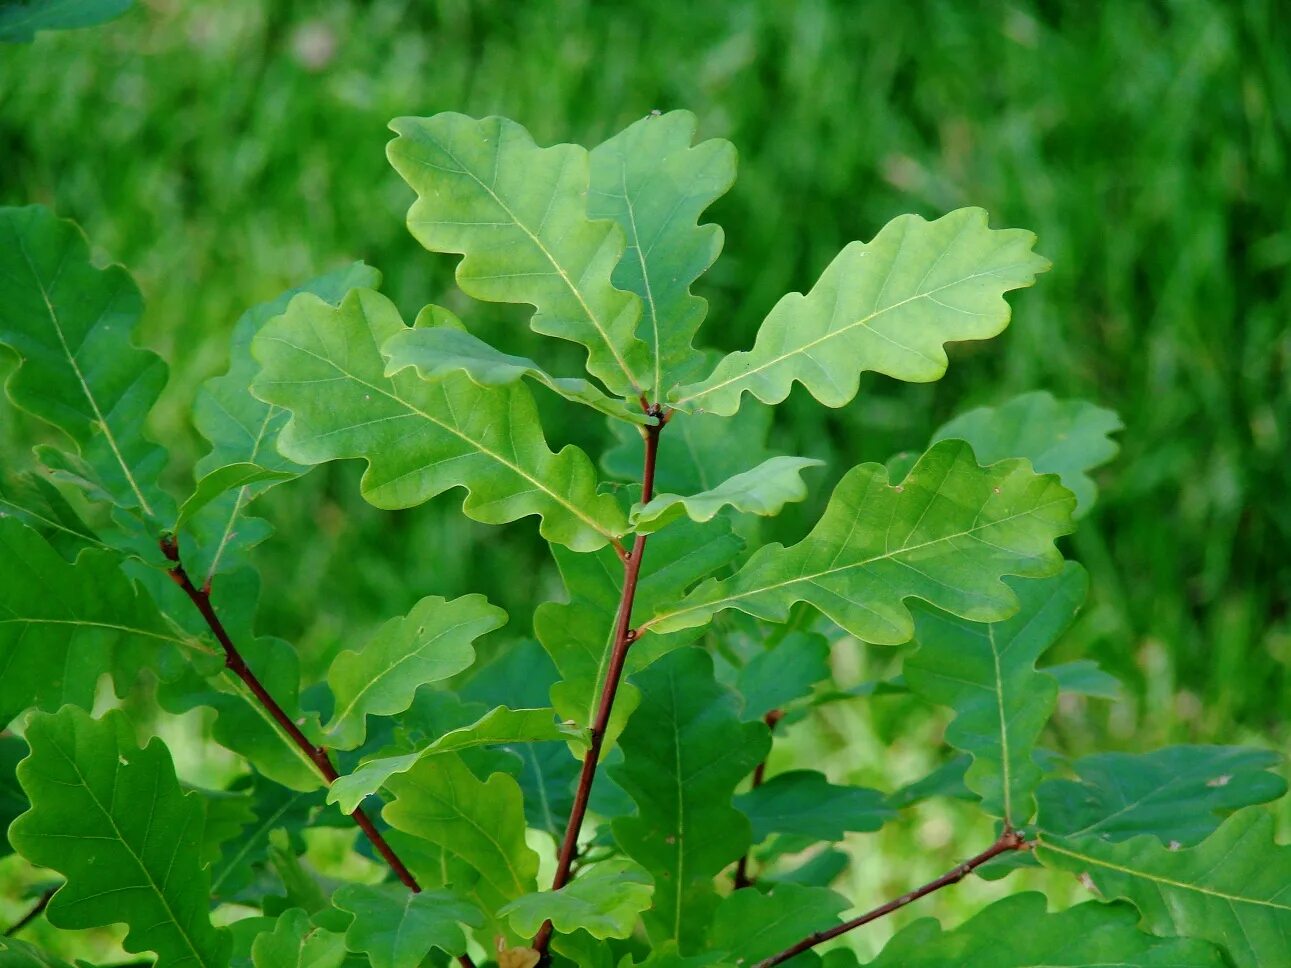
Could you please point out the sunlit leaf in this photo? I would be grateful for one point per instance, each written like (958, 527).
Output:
(763, 490)
(606, 902)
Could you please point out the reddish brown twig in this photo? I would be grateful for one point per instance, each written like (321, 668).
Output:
(1008, 841)
(742, 878)
(32, 915)
(624, 635)
(317, 755)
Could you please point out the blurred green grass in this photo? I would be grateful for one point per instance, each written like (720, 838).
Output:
(224, 151)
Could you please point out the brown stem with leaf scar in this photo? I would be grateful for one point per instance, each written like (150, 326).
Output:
(624, 635)
(317, 755)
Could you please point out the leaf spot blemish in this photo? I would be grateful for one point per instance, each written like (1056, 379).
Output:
(1219, 781)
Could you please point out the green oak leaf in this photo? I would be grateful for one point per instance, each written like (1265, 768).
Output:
(1084, 677)
(986, 673)
(578, 634)
(1178, 794)
(396, 928)
(20, 19)
(441, 350)
(431, 643)
(112, 819)
(15, 953)
(605, 901)
(230, 477)
(35, 502)
(888, 306)
(518, 215)
(70, 325)
(947, 534)
(500, 726)
(1233, 889)
(479, 822)
(685, 751)
(12, 800)
(666, 956)
(763, 490)
(421, 438)
(64, 624)
(651, 181)
(296, 942)
(1064, 437)
(783, 673)
(274, 807)
(947, 780)
(226, 814)
(804, 803)
(1017, 932)
(749, 925)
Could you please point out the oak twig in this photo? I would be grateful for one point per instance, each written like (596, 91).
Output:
(624, 636)
(742, 878)
(317, 755)
(36, 911)
(1009, 840)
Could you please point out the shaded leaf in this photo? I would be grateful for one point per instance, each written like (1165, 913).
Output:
(749, 925)
(1017, 932)
(517, 214)
(804, 803)
(1084, 677)
(296, 942)
(38, 504)
(20, 19)
(231, 477)
(888, 306)
(947, 535)
(112, 819)
(763, 490)
(274, 807)
(986, 673)
(655, 185)
(421, 438)
(396, 928)
(15, 953)
(1178, 794)
(788, 671)
(685, 751)
(498, 726)
(431, 643)
(1064, 437)
(12, 800)
(1234, 888)
(605, 901)
(946, 780)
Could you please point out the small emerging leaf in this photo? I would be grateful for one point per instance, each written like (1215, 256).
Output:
(763, 490)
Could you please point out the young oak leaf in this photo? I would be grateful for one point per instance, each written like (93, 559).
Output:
(517, 214)
(421, 438)
(986, 673)
(396, 928)
(947, 534)
(655, 185)
(606, 902)
(296, 942)
(763, 490)
(888, 306)
(432, 642)
(112, 819)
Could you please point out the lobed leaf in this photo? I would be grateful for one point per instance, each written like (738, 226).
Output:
(803, 803)
(986, 673)
(396, 928)
(431, 643)
(1064, 437)
(70, 325)
(1178, 794)
(948, 534)
(16, 953)
(749, 925)
(888, 306)
(35, 502)
(112, 819)
(231, 477)
(296, 942)
(421, 438)
(1233, 889)
(606, 902)
(651, 181)
(1017, 932)
(764, 490)
(685, 751)
(786, 672)
(518, 215)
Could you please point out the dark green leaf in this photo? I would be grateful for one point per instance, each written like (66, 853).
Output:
(396, 928)
(784, 673)
(803, 802)
(749, 925)
(20, 19)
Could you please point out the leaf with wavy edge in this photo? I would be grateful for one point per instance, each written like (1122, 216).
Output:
(70, 325)
(432, 642)
(749, 925)
(441, 350)
(296, 942)
(31, 499)
(805, 804)
(655, 184)
(1064, 437)
(606, 902)
(396, 928)
(947, 534)
(500, 726)
(112, 819)
(1234, 888)
(764, 490)
(1178, 794)
(888, 305)
(517, 214)
(231, 477)
(421, 438)
(1018, 932)
(987, 674)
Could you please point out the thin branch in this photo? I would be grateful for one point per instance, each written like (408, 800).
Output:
(742, 878)
(317, 755)
(1009, 840)
(624, 636)
(32, 915)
